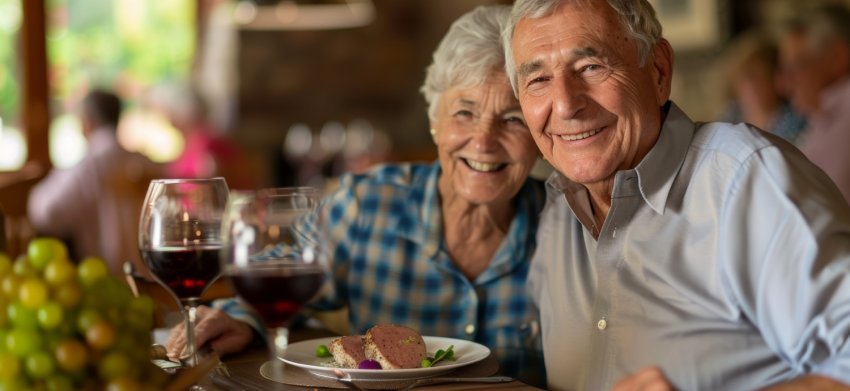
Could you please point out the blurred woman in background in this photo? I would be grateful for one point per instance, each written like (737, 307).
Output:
(754, 93)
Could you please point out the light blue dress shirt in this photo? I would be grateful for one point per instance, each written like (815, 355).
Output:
(724, 259)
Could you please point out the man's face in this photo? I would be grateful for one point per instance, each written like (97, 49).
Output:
(804, 73)
(589, 104)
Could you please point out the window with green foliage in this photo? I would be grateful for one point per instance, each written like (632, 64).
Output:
(12, 144)
(123, 45)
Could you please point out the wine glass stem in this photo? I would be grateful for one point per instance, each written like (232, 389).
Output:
(279, 340)
(190, 311)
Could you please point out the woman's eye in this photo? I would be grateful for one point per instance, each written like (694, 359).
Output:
(515, 120)
(537, 80)
(463, 114)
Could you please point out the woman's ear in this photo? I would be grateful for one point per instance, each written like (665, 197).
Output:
(434, 135)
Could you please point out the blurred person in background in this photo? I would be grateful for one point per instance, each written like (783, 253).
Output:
(207, 152)
(95, 204)
(750, 67)
(815, 58)
(459, 230)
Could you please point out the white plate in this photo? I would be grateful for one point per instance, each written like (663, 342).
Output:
(303, 354)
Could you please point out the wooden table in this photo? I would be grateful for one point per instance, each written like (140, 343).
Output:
(245, 375)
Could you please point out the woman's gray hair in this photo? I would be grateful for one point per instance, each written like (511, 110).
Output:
(467, 54)
(637, 16)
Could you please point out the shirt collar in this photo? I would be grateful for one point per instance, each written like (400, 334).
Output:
(431, 216)
(658, 169)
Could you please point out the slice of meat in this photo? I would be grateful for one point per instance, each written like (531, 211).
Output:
(395, 347)
(347, 351)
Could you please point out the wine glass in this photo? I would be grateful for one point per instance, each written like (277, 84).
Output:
(274, 254)
(180, 241)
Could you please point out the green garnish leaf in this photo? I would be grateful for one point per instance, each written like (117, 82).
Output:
(441, 355)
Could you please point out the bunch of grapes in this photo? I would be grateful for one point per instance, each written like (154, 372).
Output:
(71, 327)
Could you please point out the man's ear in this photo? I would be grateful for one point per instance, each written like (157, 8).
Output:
(662, 71)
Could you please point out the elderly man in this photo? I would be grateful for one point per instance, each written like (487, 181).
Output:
(670, 253)
(815, 59)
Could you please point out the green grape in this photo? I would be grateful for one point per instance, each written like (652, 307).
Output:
(87, 317)
(22, 342)
(91, 269)
(115, 364)
(39, 365)
(4, 315)
(43, 250)
(68, 294)
(100, 335)
(3, 333)
(140, 313)
(59, 382)
(66, 328)
(9, 366)
(17, 383)
(50, 315)
(5, 264)
(22, 316)
(10, 285)
(119, 292)
(22, 267)
(59, 271)
(71, 355)
(123, 384)
(32, 292)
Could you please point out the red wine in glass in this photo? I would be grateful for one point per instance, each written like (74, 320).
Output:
(180, 240)
(275, 254)
(277, 292)
(187, 271)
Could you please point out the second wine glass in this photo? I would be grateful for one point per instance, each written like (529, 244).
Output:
(180, 242)
(275, 255)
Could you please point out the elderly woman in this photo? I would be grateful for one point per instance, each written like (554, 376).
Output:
(441, 247)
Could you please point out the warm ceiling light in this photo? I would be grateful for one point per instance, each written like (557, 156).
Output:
(290, 15)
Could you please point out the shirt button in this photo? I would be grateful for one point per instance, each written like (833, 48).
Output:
(470, 329)
(602, 324)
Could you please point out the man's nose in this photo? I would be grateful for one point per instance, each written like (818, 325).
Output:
(569, 98)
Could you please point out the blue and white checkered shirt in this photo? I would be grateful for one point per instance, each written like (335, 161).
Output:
(390, 264)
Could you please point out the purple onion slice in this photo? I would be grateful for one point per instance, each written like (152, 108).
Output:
(369, 364)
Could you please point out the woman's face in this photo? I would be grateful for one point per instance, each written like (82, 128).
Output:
(484, 146)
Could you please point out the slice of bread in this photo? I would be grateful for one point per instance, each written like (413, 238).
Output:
(347, 351)
(395, 347)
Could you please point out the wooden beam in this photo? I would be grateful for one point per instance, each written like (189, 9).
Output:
(35, 88)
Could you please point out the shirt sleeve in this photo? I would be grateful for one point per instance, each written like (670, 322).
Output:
(236, 309)
(786, 232)
(49, 207)
(338, 213)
